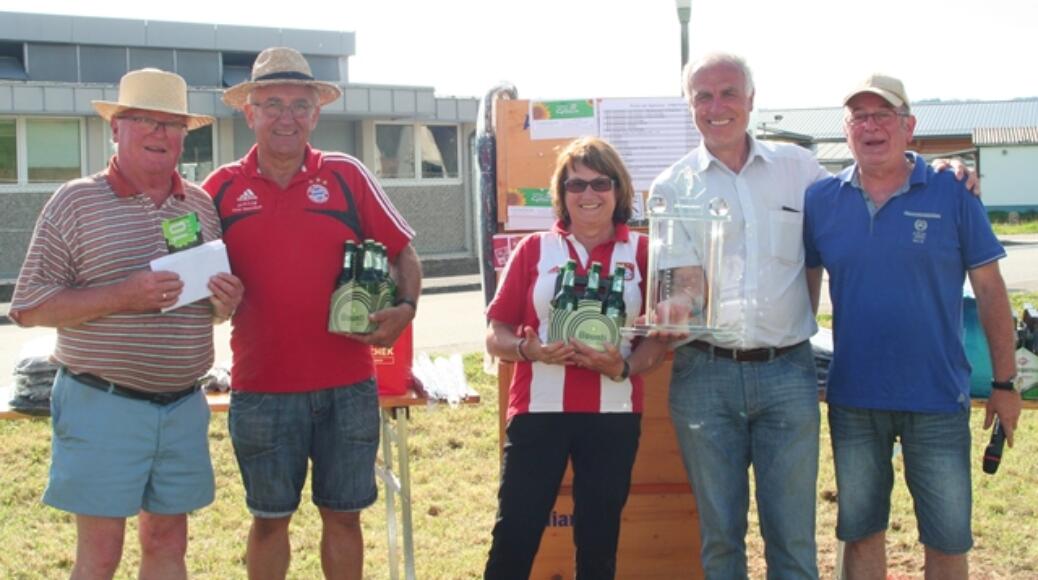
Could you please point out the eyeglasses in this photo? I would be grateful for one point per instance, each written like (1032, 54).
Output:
(882, 117)
(579, 185)
(273, 109)
(151, 125)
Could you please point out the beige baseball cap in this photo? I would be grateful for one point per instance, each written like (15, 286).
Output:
(889, 88)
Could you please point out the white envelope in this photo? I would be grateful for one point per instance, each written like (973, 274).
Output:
(195, 267)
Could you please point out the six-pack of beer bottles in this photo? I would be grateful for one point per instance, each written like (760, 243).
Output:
(364, 286)
(588, 316)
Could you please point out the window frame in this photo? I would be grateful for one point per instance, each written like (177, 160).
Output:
(417, 178)
(21, 147)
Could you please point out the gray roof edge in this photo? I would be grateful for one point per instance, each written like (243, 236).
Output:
(346, 45)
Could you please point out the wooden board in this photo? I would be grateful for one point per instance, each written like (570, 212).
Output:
(659, 538)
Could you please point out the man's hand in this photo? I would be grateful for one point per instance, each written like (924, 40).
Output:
(962, 171)
(391, 322)
(608, 363)
(147, 291)
(227, 292)
(552, 353)
(1005, 404)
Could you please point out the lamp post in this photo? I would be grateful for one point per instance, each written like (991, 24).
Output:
(684, 13)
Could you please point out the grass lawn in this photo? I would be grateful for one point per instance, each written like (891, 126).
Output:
(454, 469)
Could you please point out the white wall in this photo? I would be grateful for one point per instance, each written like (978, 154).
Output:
(1007, 174)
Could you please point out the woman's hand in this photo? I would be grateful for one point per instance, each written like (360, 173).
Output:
(609, 363)
(552, 353)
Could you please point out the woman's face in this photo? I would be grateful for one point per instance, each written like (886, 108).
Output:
(588, 207)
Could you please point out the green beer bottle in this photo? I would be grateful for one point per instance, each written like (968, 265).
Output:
(614, 306)
(566, 299)
(593, 277)
(368, 277)
(348, 258)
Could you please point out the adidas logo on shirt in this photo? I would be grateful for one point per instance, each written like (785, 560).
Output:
(247, 201)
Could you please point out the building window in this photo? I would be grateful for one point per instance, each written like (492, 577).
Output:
(8, 152)
(196, 162)
(52, 150)
(439, 148)
(40, 150)
(395, 151)
(433, 154)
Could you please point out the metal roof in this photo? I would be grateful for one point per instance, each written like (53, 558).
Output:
(833, 151)
(934, 119)
(1005, 136)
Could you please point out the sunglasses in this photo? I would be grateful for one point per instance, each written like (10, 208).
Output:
(599, 184)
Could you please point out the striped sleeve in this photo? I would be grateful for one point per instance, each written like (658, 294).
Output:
(48, 267)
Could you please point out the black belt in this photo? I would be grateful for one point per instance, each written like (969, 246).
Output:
(750, 355)
(100, 384)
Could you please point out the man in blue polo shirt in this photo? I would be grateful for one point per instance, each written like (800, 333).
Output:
(898, 241)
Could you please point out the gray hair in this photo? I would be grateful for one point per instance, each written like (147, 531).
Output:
(711, 60)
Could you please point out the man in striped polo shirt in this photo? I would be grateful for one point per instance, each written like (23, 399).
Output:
(129, 426)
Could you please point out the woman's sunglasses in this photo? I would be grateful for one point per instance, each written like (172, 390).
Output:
(599, 184)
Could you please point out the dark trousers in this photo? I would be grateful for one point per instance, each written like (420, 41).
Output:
(537, 446)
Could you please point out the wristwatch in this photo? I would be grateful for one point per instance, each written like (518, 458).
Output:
(626, 372)
(1006, 385)
(412, 303)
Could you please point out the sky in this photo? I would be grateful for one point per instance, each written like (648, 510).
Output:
(803, 53)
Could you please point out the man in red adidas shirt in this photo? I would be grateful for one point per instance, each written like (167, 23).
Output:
(302, 393)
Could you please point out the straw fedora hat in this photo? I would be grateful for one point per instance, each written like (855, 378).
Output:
(151, 89)
(280, 66)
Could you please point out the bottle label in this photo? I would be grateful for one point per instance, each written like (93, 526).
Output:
(352, 304)
(586, 324)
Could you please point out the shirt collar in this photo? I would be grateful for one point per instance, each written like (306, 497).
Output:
(122, 187)
(311, 162)
(621, 232)
(916, 177)
(757, 151)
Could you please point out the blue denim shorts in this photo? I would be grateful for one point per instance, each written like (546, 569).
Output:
(936, 450)
(112, 456)
(276, 435)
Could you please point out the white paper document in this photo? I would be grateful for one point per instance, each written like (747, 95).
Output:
(195, 267)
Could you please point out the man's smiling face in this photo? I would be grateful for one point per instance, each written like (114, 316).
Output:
(721, 106)
(153, 150)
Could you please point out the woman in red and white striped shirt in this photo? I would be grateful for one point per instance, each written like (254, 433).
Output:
(569, 402)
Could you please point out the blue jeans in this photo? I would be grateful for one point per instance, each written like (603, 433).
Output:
(276, 435)
(936, 450)
(729, 415)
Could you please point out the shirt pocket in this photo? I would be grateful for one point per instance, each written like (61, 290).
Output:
(787, 235)
(919, 230)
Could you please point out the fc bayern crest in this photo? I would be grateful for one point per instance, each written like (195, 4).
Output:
(317, 193)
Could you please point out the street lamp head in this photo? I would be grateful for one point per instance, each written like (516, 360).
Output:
(684, 9)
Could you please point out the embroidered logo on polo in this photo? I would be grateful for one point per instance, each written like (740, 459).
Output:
(247, 201)
(318, 191)
(921, 224)
(628, 270)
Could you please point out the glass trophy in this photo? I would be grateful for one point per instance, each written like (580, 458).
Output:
(686, 245)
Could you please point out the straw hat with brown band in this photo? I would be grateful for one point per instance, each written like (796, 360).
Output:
(151, 89)
(280, 66)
